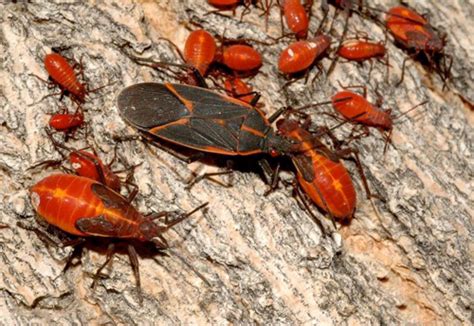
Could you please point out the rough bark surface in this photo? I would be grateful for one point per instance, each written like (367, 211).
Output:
(249, 259)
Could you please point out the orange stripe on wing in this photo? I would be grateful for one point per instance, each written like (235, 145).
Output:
(188, 104)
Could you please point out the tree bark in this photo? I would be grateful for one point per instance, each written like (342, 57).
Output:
(250, 258)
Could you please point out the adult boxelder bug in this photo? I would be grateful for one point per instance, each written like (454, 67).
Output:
(86, 208)
(320, 173)
(414, 33)
(200, 119)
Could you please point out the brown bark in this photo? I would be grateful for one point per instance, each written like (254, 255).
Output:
(250, 258)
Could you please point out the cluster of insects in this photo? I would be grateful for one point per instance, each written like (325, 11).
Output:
(225, 119)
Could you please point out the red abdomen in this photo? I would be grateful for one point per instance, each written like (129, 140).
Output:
(361, 50)
(63, 199)
(65, 121)
(241, 58)
(236, 87)
(60, 70)
(299, 55)
(325, 181)
(87, 165)
(332, 188)
(296, 17)
(355, 107)
(199, 50)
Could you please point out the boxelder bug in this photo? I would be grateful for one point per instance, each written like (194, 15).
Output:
(300, 55)
(320, 173)
(355, 107)
(66, 121)
(63, 74)
(239, 89)
(359, 50)
(86, 208)
(296, 17)
(414, 33)
(200, 119)
(199, 50)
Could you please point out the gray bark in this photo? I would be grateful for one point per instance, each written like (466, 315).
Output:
(250, 259)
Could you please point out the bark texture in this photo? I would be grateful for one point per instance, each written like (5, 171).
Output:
(249, 259)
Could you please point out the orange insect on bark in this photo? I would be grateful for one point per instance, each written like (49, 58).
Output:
(63, 74)
(84, 207)
(239, 89)
(296, 17)
(412, 30)
(324, 179)
(200, 50)
(241, 57)
(356, 107)
(90, 166)
(300, 55)
(357, 50)
(66, 121)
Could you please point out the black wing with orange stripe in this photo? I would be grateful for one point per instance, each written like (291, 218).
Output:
(195, 117)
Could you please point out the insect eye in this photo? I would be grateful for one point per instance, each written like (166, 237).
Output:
(274, 153)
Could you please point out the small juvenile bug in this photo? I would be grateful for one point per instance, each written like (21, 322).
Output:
(239, 89)
(415, 34)
(241, 58)
(199, 50)
(91, 166)
(359, 50)
(63, 74)
(66, 121)
(85, 208)
(320, 173)
(296, 17)
(355, 107)
(300, 55)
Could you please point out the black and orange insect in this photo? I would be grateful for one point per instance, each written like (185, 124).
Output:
(86, 208)
(200, 119)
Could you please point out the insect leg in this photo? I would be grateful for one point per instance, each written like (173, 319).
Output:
(110, 255)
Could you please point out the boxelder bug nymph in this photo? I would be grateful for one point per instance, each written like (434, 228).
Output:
(320, 173)
(199, 50)
(355, 107)
(86, 208)
(359, 50)
(299, 56)
(63, 74)
(296, 17)
(414, 33)
(239, 89)
(200, 119)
